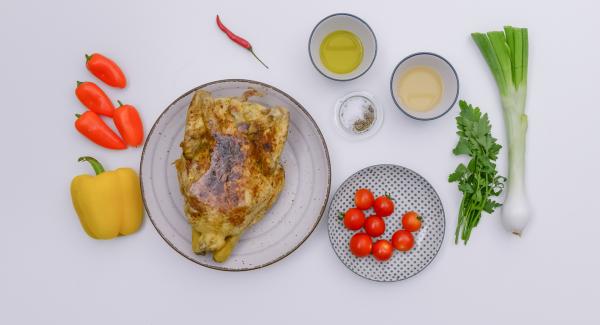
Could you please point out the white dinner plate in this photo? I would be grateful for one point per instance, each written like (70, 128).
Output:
(290, 220)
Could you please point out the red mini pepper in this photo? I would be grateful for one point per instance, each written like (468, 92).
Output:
(93, 127)
(106, 70)
(238, 40)
(128, 122)
(94, 98)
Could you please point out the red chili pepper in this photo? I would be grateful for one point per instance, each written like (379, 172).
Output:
(106, 70)
(92, 97)
(93, 127)
(128, 122)
(238, 40)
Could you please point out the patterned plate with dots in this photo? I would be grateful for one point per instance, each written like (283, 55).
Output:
(410, 191)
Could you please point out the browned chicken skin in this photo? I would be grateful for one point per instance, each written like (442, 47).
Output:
(229, 172)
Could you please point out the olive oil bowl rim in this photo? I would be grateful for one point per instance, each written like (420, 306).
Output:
(310, 40)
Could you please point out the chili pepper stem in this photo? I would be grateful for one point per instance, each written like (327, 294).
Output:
(96, 165)
(259, 60)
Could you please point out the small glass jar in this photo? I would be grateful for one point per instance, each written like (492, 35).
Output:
(357, 116)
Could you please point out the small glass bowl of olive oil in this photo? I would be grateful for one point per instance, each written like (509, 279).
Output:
(424, 86)
(342, 47)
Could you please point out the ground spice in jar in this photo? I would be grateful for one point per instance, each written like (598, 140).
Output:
(364, 123)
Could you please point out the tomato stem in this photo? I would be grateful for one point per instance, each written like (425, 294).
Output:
(88, 57)
(77, 115)
(79, 83)
(120, 104)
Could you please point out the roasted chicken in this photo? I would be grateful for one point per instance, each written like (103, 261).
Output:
(229, 172)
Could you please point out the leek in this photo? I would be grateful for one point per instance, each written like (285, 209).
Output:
(506, 53)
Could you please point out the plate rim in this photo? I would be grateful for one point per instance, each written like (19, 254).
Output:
(306, 113)
(329, 221)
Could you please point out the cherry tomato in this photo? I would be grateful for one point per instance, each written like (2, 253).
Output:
(384, 206)
(361, 244)
(411, 221)
(382, 250)
(403, 240)
(363, 199)
(375, 226)
(354, 219)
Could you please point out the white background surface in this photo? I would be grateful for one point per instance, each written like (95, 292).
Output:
(52, 273)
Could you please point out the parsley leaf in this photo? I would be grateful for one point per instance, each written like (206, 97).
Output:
(478, 180)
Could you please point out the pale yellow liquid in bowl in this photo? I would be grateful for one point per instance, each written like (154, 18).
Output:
(420, 89)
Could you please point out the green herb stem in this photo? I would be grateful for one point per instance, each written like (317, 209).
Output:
(479, 180)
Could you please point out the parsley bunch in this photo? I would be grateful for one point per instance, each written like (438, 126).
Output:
(478, 180)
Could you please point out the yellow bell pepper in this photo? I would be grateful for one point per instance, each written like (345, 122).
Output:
(108, 204)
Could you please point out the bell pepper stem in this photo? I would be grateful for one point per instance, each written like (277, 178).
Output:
(96, 165)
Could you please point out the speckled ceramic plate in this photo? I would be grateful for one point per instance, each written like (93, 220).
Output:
(411, 192)
(291, 219)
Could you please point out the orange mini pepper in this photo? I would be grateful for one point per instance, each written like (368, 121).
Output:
(94, 98)
(106, 70)
(128, 122)
(93, 127)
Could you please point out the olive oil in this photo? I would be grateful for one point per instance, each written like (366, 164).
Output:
(420, 89)
(341, 52)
